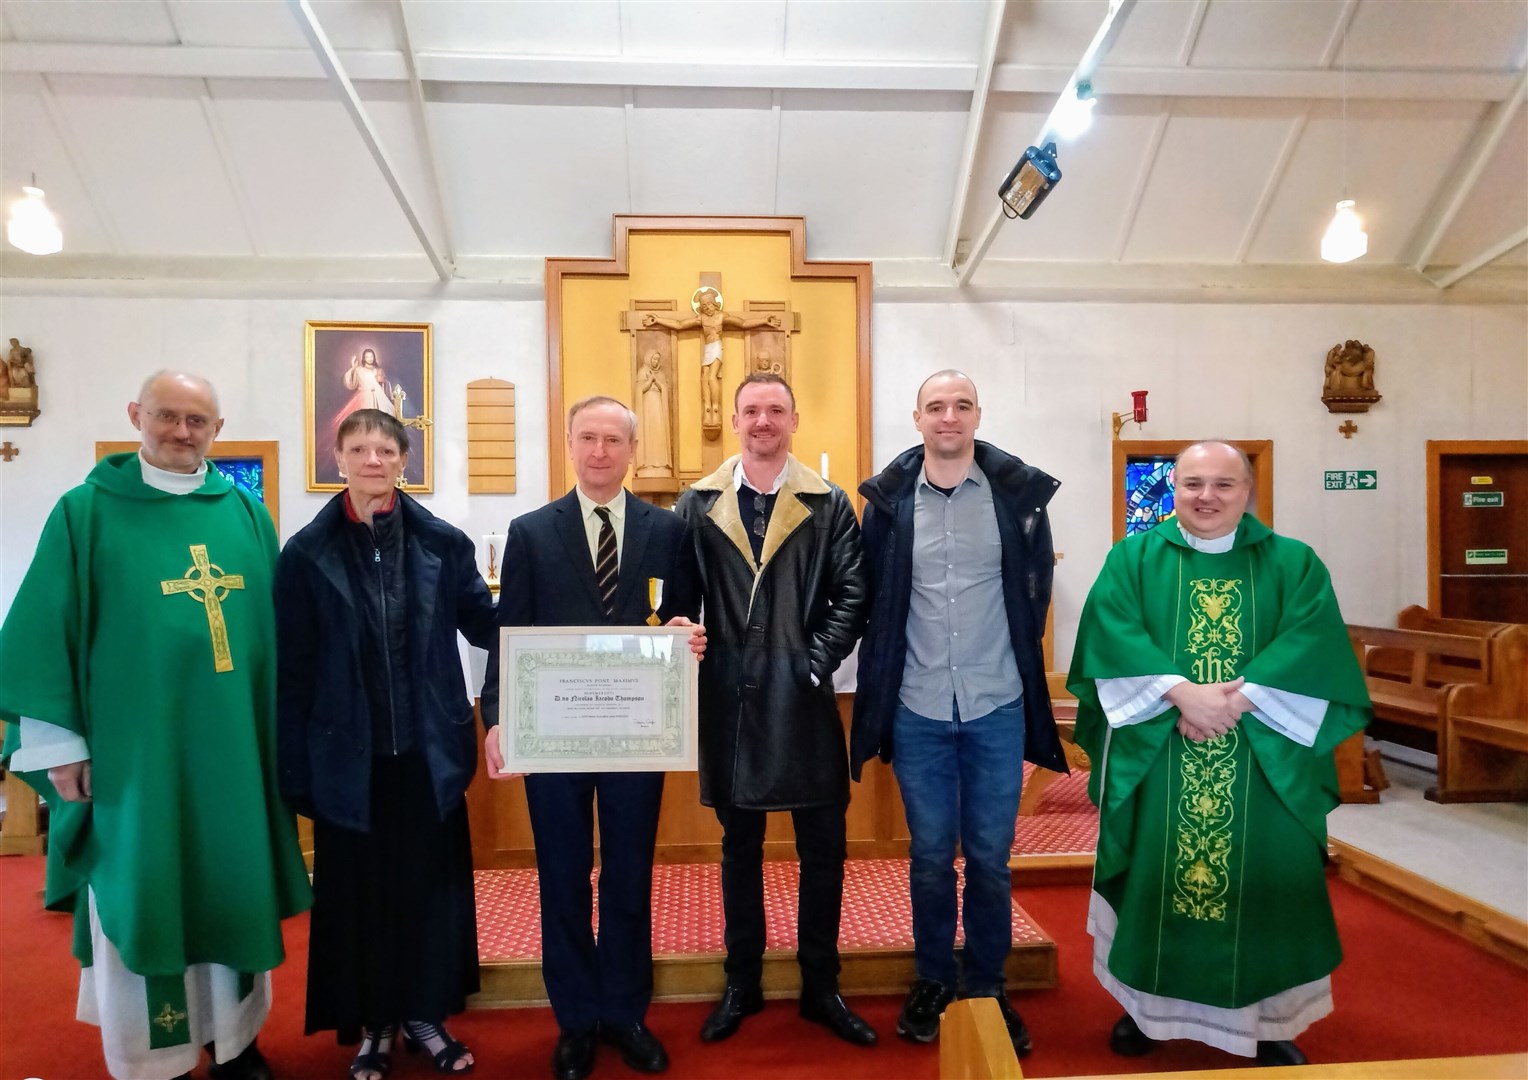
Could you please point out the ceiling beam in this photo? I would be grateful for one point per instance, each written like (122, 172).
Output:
(425, 134)
(974, 117)
(1485, 258)
(309, 24)
(1103, 40)
(1490, 134)
(388, 65)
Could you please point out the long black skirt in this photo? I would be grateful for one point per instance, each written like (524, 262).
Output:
(394, 926)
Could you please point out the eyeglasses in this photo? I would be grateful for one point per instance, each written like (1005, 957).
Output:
(173, 419)
(760, 523)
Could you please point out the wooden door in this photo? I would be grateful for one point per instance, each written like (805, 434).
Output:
(1478, 547)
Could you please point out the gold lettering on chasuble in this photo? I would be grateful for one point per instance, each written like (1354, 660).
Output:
(206, 583)
(1207, 770)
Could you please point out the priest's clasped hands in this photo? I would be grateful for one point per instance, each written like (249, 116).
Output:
(1208, 710)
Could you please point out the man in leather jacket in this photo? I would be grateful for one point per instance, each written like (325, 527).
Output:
(952, 682)
(784, 595)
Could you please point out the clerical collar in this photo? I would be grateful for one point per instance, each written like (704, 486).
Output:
(172, 483)
(740, 481)
(1218, 546)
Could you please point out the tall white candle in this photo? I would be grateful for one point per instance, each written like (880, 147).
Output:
(824, 469)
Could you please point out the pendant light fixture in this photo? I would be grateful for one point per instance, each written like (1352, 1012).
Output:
(31, 225)
(1345, 239)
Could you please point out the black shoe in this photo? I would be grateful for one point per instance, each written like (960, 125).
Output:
(1128, 1040)
(1018, 1034)
(574, 1057)
(639, 1047)
(925, 1004)
(833, 1012)
(376, 1053)
(736, 1003)
(448, 1054)
(249, 1065)
(1279, 1053)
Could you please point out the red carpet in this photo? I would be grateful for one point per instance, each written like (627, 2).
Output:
(1405, 990)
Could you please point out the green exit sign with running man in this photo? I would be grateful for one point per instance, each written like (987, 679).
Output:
(1351, 480)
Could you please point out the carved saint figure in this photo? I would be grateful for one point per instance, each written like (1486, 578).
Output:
(22, 372)
(655, 447)
(766, 364)
(711, 320)
(1350, 369)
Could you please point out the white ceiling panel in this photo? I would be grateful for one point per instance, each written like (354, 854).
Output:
(1479, 34)
(1397, 156)
(1213, 163)
(1036, 32)
(30, 148)
(1152, 36)
(356, 24)
(252, 24)
(1081, 219)
(585, 28)
(680, 28)
(702, 152)
(135, 22)
(1497, 207)
(533, 170)
(873, 173)
(311, 186)
(934, 30)
(162, 179)
(1283, 34)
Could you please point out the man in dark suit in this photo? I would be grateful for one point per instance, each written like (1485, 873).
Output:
(585, 560)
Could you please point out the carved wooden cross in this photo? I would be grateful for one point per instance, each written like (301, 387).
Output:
(8, 451)
(1348, 429)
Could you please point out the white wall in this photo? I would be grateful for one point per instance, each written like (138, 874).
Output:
(1049, 375)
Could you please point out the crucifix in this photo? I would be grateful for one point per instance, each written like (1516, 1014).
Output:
(8, 451)
(208, 585)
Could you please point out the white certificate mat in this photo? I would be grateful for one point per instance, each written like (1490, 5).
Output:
(597, 699)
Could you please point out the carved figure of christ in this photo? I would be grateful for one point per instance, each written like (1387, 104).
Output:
(710, 320)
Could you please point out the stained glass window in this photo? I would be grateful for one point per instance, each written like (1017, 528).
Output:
(247, 473)
(1148, 492)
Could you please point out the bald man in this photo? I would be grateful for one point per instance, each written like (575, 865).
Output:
(1214, 678)
(139, 654)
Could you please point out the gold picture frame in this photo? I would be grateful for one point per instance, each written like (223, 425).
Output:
(232, 450)
(340, 378)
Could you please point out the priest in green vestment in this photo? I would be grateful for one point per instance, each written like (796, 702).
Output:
(139, 654)
(1214, 677)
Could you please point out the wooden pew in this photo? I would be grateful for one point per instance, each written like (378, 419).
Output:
(1392, 663)
(974, 1043)
(1416, 701)
(1483, 729)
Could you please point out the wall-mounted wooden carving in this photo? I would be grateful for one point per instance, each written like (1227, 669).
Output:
(1348, 386)
(18, 387)
(490, 437)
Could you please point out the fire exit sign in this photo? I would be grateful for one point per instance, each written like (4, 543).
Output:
(1351, 480)
(1485, 498)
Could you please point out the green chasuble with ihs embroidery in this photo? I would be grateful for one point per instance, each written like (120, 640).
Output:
(145, 624)
(1211, 853)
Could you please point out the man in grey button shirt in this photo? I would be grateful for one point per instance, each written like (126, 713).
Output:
(952, 682)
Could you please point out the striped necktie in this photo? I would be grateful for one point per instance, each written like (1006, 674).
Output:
(605, 568)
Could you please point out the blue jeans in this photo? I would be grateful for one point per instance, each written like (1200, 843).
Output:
(960, 781)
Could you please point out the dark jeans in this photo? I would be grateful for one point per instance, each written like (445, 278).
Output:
(960, 781)
(611, 979)
(821, 849)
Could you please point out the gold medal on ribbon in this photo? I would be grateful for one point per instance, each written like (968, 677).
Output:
(654, 598)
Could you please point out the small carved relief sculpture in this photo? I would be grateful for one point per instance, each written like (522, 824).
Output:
(18, 386)
(1348, 385)
(710, 319)
(655, 455)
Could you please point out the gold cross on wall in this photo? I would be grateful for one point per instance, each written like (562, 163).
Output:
(209, 586)
(1348, 429)
(8, 451)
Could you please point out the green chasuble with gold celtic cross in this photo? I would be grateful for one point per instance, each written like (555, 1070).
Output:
(1210, 854)
(146, 625)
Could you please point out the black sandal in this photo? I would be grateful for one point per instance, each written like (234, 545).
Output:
(372, 1058)
(418, 1033)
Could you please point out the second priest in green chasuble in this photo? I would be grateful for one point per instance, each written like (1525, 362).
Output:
(142, 640)
(1210, 915)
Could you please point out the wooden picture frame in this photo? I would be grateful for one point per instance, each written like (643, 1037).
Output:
(1127, 450)
(231, 450)
(356, 365)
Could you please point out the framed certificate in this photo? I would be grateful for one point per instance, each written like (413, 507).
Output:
(597, 699)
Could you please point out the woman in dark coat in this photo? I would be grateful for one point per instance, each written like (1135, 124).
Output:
(377, 746)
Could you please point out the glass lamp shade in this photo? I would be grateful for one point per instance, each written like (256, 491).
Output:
(1345, 239)
(32, 226)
